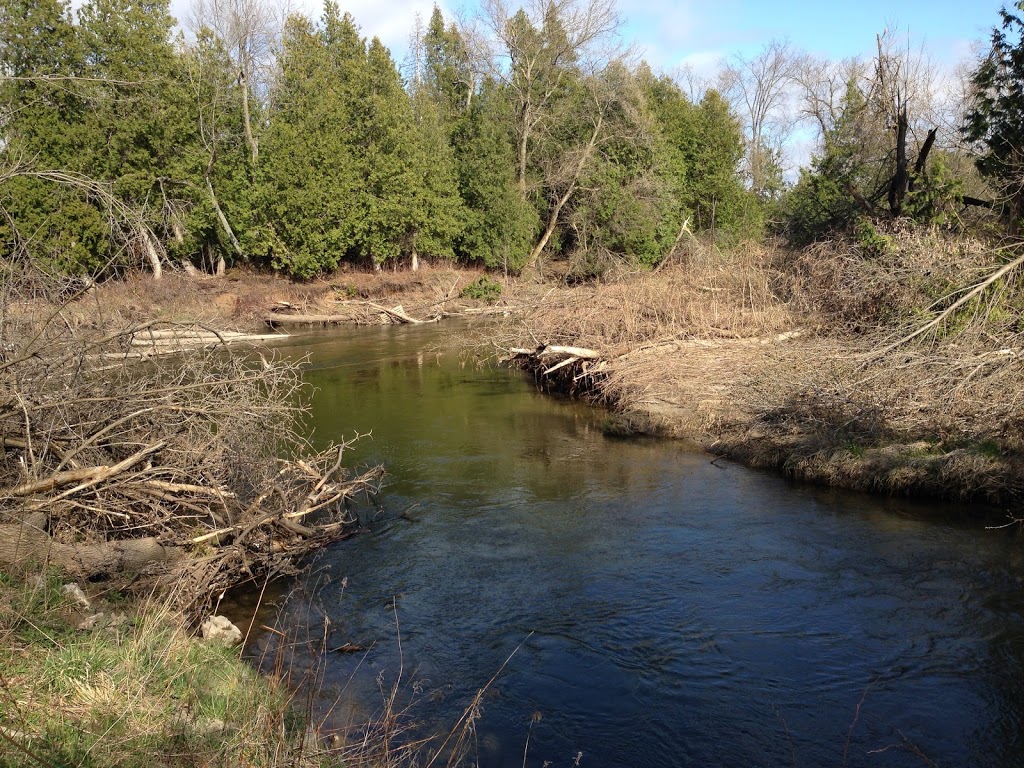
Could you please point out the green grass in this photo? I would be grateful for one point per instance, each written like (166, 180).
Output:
(139, 693)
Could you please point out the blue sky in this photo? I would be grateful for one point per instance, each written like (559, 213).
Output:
(700, 32)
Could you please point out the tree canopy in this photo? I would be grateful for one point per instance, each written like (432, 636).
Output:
(124, 144)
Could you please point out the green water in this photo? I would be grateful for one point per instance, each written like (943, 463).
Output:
(667, 611)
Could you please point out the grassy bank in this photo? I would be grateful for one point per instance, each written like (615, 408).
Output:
(124, 684)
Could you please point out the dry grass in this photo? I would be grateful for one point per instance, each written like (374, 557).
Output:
(704, 351)
(711, 295)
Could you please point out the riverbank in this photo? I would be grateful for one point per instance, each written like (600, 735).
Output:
(897, 372)
(97, 679)
(795, 361)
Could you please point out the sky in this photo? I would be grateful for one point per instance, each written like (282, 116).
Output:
(701, 32)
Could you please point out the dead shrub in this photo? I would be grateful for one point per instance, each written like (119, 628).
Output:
(185, 470)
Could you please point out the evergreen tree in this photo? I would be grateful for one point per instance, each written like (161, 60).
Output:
(825, 195)
(625, 210)
(307, 180)
(996, 119)
(221, 156)
(702, 146)
(448, 74)
(43, 114)
(499, 225)
(438, 214)
(466, 141)
(387, 219)
(139, 117)
(101, 115)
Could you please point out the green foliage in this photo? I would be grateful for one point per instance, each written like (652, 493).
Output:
(219, 156)
(448, 69)
(822, 199)
(483, 289)
(352, 171)
(870, 240)
(995, 121)
(99, 115)
(149, 133)
(130, 688)
(935, 197)
(499, 225)
(307, 181)
(701, 148)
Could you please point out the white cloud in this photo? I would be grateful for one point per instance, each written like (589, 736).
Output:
(671, 33)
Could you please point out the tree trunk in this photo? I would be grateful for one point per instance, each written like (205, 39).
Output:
(415, 261)
(152, 256)
(901, 178)
(254, 149)
(557, 210)
(550, 228)
(922, 158)
(522, 150)
(25, 544)
(221, 218)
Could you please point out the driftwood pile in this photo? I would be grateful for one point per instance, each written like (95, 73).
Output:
(163, 472)
(571, 370)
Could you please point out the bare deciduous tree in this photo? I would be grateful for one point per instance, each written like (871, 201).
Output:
(760, 89)
(536, 49)
(822, 84)
(249, 30)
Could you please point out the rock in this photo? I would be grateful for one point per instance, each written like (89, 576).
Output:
(218, 629)
(75, 593)
(211, 726)
(90, 622)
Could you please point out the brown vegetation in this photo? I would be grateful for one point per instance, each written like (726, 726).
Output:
(889, 363)
(185, 473)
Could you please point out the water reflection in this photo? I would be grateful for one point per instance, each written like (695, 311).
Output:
(682, 613)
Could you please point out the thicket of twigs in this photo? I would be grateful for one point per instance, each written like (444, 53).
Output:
(916, 382)
(932, 337)
(182, 472)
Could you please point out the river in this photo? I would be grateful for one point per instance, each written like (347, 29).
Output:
(668, 610)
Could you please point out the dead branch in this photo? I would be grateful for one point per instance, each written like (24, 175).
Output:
(165, 471)
(976, 290)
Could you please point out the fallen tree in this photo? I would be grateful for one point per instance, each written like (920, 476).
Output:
(363, 313)
(184, 473)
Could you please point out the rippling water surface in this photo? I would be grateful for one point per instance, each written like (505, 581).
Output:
(669, 611)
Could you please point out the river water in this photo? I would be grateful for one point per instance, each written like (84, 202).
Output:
(668, 610)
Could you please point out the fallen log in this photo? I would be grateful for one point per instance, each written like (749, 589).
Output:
(572, 364)
(205, 340)
(23, 545)
(393, 314)
(397, 313)
(580, 352)
(549, 350)
(276, 319)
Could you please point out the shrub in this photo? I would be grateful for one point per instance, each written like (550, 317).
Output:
(483, 289)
